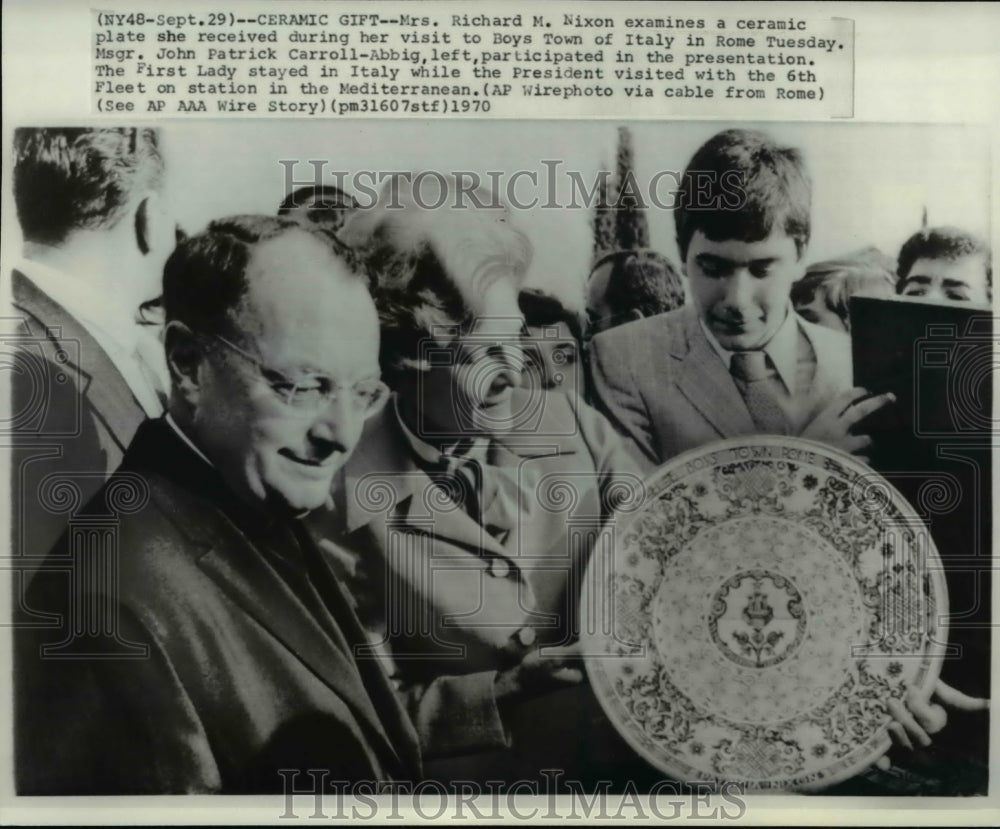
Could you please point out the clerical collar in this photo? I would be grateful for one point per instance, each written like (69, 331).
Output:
(782, 348)
(477, 451)
(183, 436)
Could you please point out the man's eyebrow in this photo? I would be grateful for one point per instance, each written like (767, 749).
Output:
(955, 283)
(923, 280)
(715, 258)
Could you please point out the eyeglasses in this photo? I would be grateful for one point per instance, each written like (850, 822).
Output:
(312, 394)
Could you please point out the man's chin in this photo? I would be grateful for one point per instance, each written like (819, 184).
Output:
(302, 497)
(743, 341)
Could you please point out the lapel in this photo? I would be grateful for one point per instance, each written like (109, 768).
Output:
(553, 431)
(390, 717)
(383, 465)
(383, 482)
(246, 578)
(100, 380)
(833, 363)
(705, 381)
(223, 529)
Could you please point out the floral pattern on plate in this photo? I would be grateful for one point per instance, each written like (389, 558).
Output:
(751, 621)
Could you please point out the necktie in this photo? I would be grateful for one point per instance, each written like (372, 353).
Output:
(484, 491)
(757, 383)
(461, 477)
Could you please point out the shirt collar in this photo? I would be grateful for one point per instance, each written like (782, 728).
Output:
(782, 348)
(431, 454)
(181, 434)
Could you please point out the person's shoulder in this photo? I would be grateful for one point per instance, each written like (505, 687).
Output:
(667, 324)
(825, 339)
(159, 518)
(28, 298)
(563, 420)
(540, 412)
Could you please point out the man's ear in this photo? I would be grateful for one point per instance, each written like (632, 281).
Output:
(801, 262)
(636, 314)
(185, 360)
(155, 229)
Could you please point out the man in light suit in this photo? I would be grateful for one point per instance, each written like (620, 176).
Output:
(201, 642)
(472, 504)
(738, 361)
(97, 231)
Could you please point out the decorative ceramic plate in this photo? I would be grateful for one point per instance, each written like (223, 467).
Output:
(750, 621)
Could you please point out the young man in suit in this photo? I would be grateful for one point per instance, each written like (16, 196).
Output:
(738, 360)
(97, 230)
(204, 645)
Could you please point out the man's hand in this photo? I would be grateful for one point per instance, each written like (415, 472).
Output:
(833, 424)
(915, 721)
(541, 671)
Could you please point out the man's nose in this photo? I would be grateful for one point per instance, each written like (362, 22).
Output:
(740, 289)
(336, 421)
(509, 361)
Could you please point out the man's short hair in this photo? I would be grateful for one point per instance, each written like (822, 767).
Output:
(205, 277)
(325, 205)
(949, 243)
(540, 308)
(867, 272)
(741, 185)
(68, 179)
(641, 280)
(428, 266)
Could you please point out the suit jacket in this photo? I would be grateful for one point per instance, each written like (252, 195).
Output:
(218, 653)
(74, 415)
(455, 597)
(662, 384)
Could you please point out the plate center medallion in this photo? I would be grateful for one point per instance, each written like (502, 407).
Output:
(756, 618)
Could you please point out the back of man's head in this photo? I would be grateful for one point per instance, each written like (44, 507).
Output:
(633, 283)
(742, 185)
(325, 205)
(828, 286)
(71, 179)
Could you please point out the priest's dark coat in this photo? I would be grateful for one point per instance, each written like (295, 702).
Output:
(196, 644)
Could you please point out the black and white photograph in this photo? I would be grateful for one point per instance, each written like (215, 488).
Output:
(631, 461)
(436, 462)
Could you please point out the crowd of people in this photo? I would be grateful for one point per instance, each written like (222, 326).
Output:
(309, 509)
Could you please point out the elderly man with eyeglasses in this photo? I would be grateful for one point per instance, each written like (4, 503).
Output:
(202, 644)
